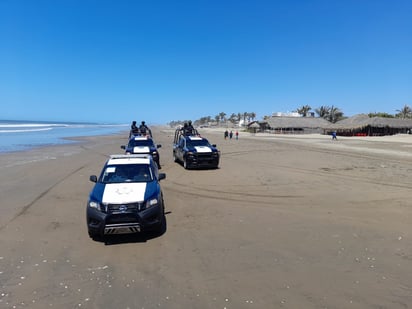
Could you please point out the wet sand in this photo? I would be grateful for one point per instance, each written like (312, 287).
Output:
(285, 222)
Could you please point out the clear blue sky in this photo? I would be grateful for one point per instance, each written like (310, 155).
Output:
(118, 61)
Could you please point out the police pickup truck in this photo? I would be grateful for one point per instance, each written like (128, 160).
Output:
(126, 197)
(143, 144)
(194, 151)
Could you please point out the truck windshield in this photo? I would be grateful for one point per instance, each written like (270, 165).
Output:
(127, 173)
(196, 143)
(140, 143)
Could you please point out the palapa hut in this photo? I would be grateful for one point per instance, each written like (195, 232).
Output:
(363, 125)
(295, 125)
(254, 127)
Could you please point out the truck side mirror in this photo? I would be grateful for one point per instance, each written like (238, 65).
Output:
(93, 178)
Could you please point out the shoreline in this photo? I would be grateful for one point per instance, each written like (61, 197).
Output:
(37, 135)
(58, 148)
(401, 143)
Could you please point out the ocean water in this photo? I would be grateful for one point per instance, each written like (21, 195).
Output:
(25, 135)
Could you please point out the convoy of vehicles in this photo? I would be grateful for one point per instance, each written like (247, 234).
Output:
(127, 196)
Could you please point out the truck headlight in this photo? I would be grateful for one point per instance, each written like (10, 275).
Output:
(152, 202)
(95, 205)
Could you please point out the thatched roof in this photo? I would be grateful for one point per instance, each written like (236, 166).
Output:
(297, 122)
(253, 124)
(362, 120)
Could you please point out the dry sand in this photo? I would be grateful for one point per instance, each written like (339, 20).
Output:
(285, 222)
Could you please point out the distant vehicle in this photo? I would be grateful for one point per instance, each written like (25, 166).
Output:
(194, 151)
(143, 145)
(126, 197)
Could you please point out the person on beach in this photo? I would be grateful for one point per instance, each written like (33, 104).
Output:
(226, 134)
(190, 128)
(144, 129)
(237, 135)
(133, 126)
(334, 135)
(185, 129)
(231, 134)
(133, 129)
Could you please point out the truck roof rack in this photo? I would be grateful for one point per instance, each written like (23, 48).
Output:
(137, 132)
(184, 132)
(129, 156)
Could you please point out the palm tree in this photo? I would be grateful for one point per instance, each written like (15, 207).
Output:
(331, 114)
(252, 115)
(322, 111)
(335, 114)
(304, 110)
(232, 118)
(222, 116)
(405, 112)
(203, 120)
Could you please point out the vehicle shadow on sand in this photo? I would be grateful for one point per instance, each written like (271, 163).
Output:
(198, 168)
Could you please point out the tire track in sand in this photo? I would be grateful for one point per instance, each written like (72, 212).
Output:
(42, 194)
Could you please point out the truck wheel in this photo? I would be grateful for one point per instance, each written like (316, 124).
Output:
(174, 157)
(93, 235)
(161, 228)
(162, 225)
(185, 165)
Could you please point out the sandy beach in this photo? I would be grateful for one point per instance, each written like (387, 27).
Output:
(287, 221)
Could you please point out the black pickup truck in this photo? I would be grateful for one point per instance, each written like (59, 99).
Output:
(194, 151)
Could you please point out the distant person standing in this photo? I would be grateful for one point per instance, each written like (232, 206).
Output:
(133, 129)
(226, 134)
(190, 128)
(334, 135)
(231, 134)
(133, 126)
(237, 135)
(184, 129)
(144, 129)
